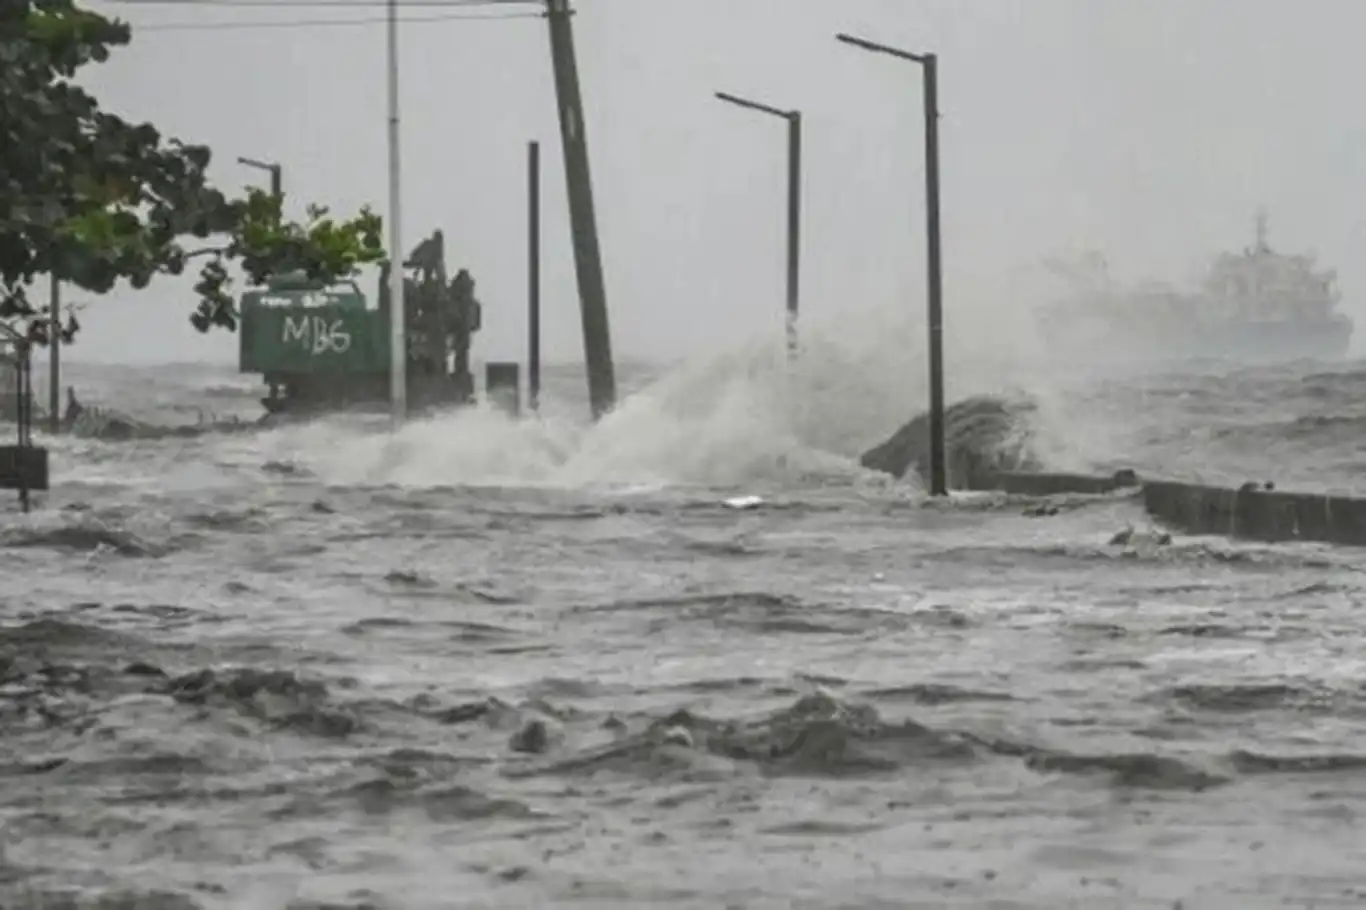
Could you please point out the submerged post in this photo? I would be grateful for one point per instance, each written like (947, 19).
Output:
(935, 315)
(597, 344)
(794, 204)
(54, 364)
(533, 331)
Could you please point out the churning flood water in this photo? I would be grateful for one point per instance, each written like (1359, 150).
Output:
(485, 663)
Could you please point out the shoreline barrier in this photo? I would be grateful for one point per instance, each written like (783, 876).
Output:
(1250, 512)
(1040, 483)
(1257, 514)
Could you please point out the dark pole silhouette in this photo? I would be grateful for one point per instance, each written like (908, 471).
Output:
(54, 364)
(794, 205)
(534, 275)
(930, 64)
(597, 344)
(276, 174)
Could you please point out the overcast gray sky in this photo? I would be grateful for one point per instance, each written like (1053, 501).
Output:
(1150, 129)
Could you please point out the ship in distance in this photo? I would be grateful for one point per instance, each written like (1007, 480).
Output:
(1258, 305)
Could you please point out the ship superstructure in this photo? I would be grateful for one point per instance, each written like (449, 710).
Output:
(1257, 304)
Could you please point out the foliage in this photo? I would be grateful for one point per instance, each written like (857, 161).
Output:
(93, 198)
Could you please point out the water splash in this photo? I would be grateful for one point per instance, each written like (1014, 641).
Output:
(744, 417)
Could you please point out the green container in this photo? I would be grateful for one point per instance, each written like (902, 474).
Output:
(293, 327)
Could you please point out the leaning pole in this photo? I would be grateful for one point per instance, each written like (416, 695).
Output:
(597, 342)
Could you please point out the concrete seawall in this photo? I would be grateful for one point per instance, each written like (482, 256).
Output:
(1257, 514)
(1032, 483)
(1249, 512)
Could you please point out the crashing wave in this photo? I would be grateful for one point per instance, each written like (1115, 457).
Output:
(104, 423)
(115, 426)
(983, 436)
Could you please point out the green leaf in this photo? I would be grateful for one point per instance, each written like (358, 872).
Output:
(95, 199)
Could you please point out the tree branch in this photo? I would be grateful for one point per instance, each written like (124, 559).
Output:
(95, 199)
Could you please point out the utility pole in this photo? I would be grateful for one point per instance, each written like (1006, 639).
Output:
(929, 63)
(398, 340)
(54, 342)
(794, 205)
(938, 467)
(533, 178)
(597, 344)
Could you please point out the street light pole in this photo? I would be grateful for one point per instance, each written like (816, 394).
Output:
(275, 171)
(398, 341)
(534, 275)
(930, 64)
(794, 225)
(794, 204)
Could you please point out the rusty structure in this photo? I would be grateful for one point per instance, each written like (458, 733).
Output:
(323, 348)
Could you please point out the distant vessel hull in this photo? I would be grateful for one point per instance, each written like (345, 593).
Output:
(1272, 341)
(1244, 342)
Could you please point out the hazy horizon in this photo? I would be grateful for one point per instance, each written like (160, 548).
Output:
(1148, 131)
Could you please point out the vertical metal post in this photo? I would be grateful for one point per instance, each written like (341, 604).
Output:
(930, 65)
(24, 415)
(938, 480)
(533, 331)
(398, 341)
(54, 331)
(794, 226)
(597, 345)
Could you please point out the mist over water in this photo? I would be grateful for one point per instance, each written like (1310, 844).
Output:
(747, 416)
(743, 415)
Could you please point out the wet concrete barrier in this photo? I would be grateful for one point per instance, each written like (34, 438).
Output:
(1032, 483)
(1256, 513)
(1250, 512)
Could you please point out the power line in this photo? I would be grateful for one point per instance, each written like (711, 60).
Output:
(334, 4)
(322, 23)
